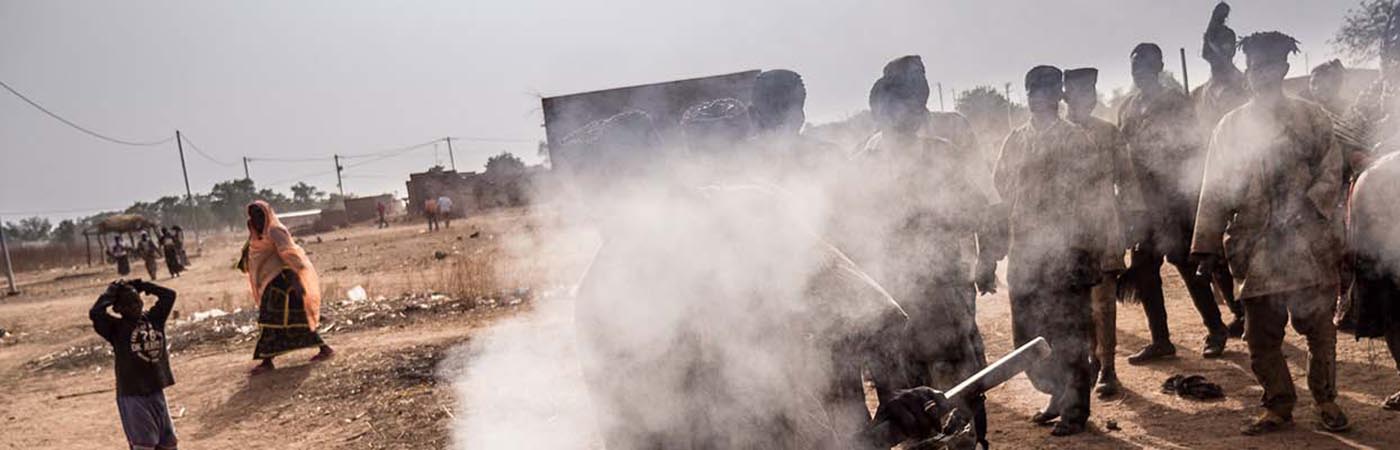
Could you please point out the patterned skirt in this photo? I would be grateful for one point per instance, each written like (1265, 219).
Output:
(282, 319)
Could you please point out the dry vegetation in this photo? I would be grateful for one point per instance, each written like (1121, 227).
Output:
(427, 292)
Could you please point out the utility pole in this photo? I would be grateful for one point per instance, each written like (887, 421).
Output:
(9, 269)
(245, 169)
(1185, 78)
(450, 157)
(1010, 121)
(940, 97)
(338, 183)
(189, 195)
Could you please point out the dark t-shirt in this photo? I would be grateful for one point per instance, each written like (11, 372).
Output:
(142, 354)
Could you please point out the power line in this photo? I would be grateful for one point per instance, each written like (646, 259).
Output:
(287, 160)
(186, 137)
(491, 139)
(302, 177)
(393, 151)
(81, 128)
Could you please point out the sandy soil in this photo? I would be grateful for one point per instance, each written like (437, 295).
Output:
(384, 390)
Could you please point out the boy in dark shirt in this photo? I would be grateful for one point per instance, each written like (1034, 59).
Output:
(142, 360)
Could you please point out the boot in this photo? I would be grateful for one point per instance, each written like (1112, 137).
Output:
(1215, 346)
(1153, 352)
(1236, 327)
(1266, 422)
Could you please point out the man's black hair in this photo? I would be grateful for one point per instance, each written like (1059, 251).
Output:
(1269, 45)
(899, 87)
(911, 65)
(774, 93)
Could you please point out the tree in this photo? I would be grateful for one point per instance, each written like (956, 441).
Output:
(1362, 28)
(991, 115)
(65, 233)
(29, 229)
(504, 164)
(306, 196)
(228, 198)
(275, 199)
(986, 108)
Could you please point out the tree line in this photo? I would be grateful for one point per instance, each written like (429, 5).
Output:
(221, 207)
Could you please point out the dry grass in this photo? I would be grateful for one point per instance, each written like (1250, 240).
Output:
(48, 256)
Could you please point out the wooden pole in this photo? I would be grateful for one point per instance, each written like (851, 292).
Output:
(189, 195)
(450, 157)
(1185, 77)
(9, 268)
(940, 97)
(338, 183)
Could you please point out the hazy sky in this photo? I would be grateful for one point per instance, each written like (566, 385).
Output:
(303, 79)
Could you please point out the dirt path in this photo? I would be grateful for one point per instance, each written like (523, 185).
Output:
(384, 390)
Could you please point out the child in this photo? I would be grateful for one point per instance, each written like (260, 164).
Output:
(142, 360)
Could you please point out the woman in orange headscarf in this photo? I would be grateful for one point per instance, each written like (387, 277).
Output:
(285, 288)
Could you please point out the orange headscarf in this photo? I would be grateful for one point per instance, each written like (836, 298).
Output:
(273, 250)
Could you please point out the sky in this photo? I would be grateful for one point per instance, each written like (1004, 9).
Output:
(309, 79)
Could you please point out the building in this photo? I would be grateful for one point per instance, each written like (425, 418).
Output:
(367, 208)
(471, 191)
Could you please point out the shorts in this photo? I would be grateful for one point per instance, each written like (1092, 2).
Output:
(146, 421)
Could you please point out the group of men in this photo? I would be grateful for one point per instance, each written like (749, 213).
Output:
(169, 245)
(1239, 186)
(436, 210)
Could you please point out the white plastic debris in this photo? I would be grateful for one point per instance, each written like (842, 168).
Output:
(210, 314)
(357, 294)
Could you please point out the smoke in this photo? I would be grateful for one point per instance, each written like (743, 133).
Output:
(718, 311)
(709, 318)
(519, 385)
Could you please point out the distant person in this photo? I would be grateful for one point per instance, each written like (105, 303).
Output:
(120, 254)
(148, 252)
(171, 252)
(284, 286)
(380, 208)
(445, 210)
(142, 360)
(430, 210)
(179, 234)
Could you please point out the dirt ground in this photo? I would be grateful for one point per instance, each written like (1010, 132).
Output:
(386, 389)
